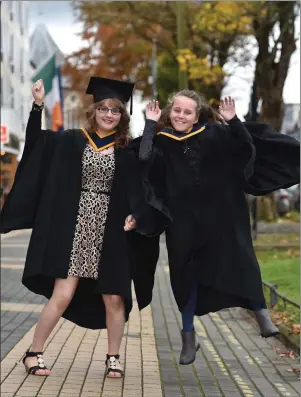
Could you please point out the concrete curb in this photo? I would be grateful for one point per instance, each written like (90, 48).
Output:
(15, 233)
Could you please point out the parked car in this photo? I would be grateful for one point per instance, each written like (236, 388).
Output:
(297, 202)
(295, 199)
(284, 199)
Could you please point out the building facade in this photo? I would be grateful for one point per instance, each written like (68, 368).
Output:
(42, 49)
(15, 87)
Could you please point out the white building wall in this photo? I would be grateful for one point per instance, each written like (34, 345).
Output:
(15, 68)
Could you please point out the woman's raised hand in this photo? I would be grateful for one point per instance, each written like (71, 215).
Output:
(227, 109)
(38, 92)
(153, 112)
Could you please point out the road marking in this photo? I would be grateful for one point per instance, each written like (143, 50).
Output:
(16, 233)
(7, 245)
(11, 266)
(21, 307)
(9, 259)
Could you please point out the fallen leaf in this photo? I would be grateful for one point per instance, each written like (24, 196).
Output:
(289, 354)
(292, 355)
(284, 354)
(295, 370)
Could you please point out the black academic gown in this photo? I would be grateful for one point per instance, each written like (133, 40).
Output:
(45, 197)
(199, 184)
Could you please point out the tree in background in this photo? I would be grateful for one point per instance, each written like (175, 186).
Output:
(219, 29)
(119, 39)
(126, 31)
(274, 30)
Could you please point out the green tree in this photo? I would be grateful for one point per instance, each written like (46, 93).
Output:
(133, 26)
(119, 39)
(274, 30)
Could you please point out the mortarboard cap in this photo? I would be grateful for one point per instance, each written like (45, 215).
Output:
(102, 88)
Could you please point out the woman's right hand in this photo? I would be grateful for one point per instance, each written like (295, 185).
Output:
(38, 92)
(153, 112)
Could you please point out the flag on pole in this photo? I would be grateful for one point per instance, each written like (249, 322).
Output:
(50, 74)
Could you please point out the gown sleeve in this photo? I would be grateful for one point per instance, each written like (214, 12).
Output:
(150, 221)
(146, 145)
(153, 178)
(265, 160)
(20, 206)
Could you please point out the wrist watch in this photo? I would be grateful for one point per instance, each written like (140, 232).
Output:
(37, 107)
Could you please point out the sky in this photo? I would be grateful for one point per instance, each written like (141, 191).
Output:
(59, 18)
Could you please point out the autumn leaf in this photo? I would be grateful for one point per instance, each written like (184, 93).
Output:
(289, 354)
(296, 328)
(126, 31)
(296, 370)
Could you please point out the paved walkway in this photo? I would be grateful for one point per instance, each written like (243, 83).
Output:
(233, 359)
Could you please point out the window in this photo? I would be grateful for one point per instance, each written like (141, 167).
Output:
(11, 10)
(21, 66)
(25, 18)
(11, 50)
(2, 88)
(5, 43)
(1, 40)
(22, 112)
(20, 15)
(11, 97)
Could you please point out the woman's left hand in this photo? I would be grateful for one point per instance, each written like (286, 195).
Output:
(130, 223)
(227, 109)
(153, 111)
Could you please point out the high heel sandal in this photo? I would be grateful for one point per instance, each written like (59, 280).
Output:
(41, 365)
(111, 366)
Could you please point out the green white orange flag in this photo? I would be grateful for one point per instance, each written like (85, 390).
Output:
(50, 74)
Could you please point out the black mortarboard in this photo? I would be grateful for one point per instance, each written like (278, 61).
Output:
(102, 88)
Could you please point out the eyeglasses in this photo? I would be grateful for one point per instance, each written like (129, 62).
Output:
(105, 110)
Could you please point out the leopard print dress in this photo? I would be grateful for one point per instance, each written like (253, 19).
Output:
(97, 176)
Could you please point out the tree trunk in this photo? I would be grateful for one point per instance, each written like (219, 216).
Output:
(272, 62)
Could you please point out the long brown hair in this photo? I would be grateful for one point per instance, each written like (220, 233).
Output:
(204, 110)
(123, 128)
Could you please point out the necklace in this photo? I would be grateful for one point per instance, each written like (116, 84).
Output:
(186, 147)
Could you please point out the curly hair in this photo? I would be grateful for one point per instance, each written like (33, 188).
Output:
(204, 110)
(123, 128)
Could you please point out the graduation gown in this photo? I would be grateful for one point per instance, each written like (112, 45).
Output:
(198, 181)
(45, 198)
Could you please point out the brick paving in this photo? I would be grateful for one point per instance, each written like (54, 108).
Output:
(233, 359)
(18, 304)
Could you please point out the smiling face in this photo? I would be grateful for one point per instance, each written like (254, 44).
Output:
(183, 113)
(108, 120)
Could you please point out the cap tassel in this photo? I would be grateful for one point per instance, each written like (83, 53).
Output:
(131, 106)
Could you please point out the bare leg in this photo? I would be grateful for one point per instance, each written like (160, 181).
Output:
(61, 297)
(115, 320)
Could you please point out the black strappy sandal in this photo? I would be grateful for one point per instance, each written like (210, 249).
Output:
(35, 368)
(111, 366)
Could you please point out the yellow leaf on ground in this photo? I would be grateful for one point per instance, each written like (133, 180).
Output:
(296, 328)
